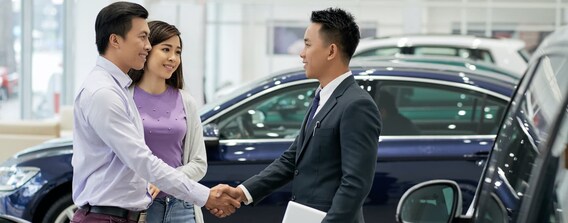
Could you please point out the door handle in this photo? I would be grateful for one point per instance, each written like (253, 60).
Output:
(478, 157)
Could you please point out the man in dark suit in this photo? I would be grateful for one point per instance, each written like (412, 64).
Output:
(331, 164)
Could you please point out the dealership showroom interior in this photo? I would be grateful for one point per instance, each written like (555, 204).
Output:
(465, 110)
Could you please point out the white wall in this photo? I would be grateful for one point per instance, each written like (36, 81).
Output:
(228, 42)
(189, 18)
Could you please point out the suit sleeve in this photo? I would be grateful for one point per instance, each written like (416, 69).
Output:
(359, 128)
(276, 175)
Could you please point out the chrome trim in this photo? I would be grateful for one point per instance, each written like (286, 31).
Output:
(239, 141)
(455, 137)
(305, 81)
(440, 137)
(210, 138)
(440, 82)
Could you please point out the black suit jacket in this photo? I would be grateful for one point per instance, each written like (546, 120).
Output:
(331, 164)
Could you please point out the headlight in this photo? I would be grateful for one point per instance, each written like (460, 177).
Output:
(12, 178)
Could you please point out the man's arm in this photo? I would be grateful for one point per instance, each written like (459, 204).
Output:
(118, 131)
(359, 135)
(276, 175)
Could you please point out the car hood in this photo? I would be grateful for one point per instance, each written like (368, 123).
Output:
(52, 147)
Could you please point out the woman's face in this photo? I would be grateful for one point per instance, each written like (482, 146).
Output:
(164, 58)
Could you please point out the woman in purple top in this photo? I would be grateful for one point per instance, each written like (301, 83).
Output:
(172, 127)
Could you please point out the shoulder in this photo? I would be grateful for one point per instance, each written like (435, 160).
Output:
(188, 100)
(355, 93)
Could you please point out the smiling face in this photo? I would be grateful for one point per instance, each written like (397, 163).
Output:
(164, 58)
(315, 53)
(133, 48)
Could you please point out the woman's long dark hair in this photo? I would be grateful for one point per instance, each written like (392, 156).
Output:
(160, 32)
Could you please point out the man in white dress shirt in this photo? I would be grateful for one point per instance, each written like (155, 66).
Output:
(112, 164)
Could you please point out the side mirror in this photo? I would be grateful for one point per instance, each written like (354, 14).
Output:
(211, 134)
(435, 201)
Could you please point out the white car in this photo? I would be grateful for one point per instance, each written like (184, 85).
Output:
(506, 53)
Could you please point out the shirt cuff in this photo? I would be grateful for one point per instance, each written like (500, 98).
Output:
(201, 194)
(247, 194)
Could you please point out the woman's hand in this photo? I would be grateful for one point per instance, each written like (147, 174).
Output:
(154, 191)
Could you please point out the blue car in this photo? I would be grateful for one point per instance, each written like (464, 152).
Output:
(452, 116)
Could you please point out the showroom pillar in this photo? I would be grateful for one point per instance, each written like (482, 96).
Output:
(412, 19)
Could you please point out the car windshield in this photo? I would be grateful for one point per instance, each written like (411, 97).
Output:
(226, 97)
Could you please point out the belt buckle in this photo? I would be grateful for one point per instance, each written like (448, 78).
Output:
(142, 217)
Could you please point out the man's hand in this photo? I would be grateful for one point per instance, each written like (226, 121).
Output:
(221, 201)
(154, 191)
(236, 193)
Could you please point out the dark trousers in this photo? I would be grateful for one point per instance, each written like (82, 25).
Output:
(81, 216)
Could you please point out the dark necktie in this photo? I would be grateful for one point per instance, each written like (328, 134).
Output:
(314, 108)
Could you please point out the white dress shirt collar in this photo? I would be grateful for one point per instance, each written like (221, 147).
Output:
(326, 92)
(122, 78)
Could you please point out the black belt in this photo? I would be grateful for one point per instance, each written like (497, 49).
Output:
(115, 211)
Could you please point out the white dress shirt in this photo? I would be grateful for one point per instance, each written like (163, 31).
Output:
(325, 93)
(112, 165)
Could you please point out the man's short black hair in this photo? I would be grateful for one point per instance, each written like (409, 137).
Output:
(339, 27)
(116, 18)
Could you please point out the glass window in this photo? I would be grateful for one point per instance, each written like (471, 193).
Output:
(558, 204)
(524, 130)
(496, 212)
(47, 57)
(272, 116)
(380, 52)
(10, 54)
(413, 108)
(435, 50)
(554, 205)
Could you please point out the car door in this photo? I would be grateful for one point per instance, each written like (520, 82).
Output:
(442, 130)
(514, 169)
(252, 134)
(550, 186)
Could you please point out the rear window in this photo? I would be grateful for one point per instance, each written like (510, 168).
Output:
(472, 54)
(390, 51)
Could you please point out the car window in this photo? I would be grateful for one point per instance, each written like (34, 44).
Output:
(415, 108)
(389, 51)
(524, 130)
(435, 50)
(551, 201)
(278, 114)
(472, 54)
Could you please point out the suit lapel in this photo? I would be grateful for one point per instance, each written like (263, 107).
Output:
(306, 133)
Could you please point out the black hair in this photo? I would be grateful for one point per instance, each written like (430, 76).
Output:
(116, 18)
(338, 27)
(160, 32)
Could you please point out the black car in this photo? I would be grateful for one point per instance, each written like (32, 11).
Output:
(526, 179)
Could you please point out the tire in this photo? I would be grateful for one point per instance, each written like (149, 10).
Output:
(61, 211)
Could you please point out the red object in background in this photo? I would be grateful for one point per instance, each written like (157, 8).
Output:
(9, 84)
(56, 97)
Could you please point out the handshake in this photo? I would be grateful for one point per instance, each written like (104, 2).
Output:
(224, 200)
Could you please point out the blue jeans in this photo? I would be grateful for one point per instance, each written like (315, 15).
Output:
(170, 209)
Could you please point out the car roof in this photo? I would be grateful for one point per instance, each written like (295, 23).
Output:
(555, 42)
(488, 80)
(444, 60)
(466, 41)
